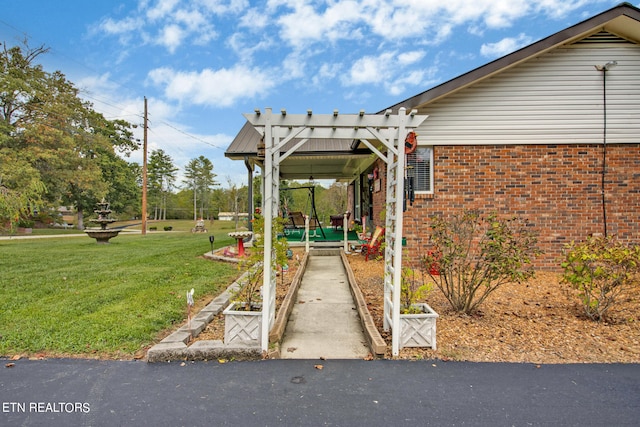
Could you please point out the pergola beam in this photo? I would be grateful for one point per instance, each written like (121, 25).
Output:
(335, 120)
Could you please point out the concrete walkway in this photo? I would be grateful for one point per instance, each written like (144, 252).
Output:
(324, 322)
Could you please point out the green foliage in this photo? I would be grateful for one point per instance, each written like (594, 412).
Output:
(253, 265)
(161, 180)
(124, 194)
(295, 196)
(413, 289)
(474, 255)
(199, 177)
(60, 150)
(601, 269)
(15, 205)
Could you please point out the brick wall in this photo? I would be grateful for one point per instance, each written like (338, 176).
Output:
(556, 187)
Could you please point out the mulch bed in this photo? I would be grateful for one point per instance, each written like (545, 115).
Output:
(539, 321)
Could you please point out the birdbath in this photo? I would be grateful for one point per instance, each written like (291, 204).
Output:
(240, 236)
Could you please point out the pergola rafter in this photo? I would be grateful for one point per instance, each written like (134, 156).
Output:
(388, 129)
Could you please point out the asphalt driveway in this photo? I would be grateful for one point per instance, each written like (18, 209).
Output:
(68, 392)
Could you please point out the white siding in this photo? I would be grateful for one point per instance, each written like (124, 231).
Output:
(554, 98)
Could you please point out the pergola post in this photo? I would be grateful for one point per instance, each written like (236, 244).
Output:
(268, 211)
(394, 225)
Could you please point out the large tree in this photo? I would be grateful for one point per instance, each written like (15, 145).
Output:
(21, 186)
(59, 141)
(162, 177)
(199, 177)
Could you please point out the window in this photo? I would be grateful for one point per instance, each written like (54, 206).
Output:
(419, 167)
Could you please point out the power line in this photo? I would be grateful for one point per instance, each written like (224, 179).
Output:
(192, 136)
(120, 108)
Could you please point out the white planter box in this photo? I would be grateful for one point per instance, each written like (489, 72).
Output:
(242, 326)
(419, 330)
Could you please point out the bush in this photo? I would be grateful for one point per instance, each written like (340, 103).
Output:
(601, 269)
(413, 289)
(472, 256)
(26, 223)
(250, 291)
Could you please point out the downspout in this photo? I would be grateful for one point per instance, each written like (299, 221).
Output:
(249, 166)
(604, 68)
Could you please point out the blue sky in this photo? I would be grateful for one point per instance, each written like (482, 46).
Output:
(202, 63)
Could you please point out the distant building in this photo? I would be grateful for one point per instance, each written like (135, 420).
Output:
(67, 215)
(231, 216)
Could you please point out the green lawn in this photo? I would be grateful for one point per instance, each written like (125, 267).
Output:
(71, 296)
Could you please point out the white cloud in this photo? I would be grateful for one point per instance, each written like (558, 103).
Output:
(294, 65)
(215, 88)
(370, 69)
(221, 7)
(246, 46)
(124, 26)
(557, 9)
(398, 85)
(304, 24)
(171, 37)
(326, 72)
(504, 46)
(390, 69)
(254, 19)
(409, 58)
(162, 9)
(171, 23)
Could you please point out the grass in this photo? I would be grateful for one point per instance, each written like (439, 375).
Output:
(70, 296)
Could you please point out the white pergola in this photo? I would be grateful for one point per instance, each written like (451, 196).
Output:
(380, 133)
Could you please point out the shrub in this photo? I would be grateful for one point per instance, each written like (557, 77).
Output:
(413, 289)
(249, 293)
(472, 256)
(26, 223)
(601, 269)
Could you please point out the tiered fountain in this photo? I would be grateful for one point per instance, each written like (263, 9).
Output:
(102, 235)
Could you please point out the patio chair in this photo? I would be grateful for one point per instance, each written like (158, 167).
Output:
(371, 247)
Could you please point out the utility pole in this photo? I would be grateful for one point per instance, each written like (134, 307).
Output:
(144, 173)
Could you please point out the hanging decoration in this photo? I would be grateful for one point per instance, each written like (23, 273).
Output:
(410, 142)
(410, 145)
